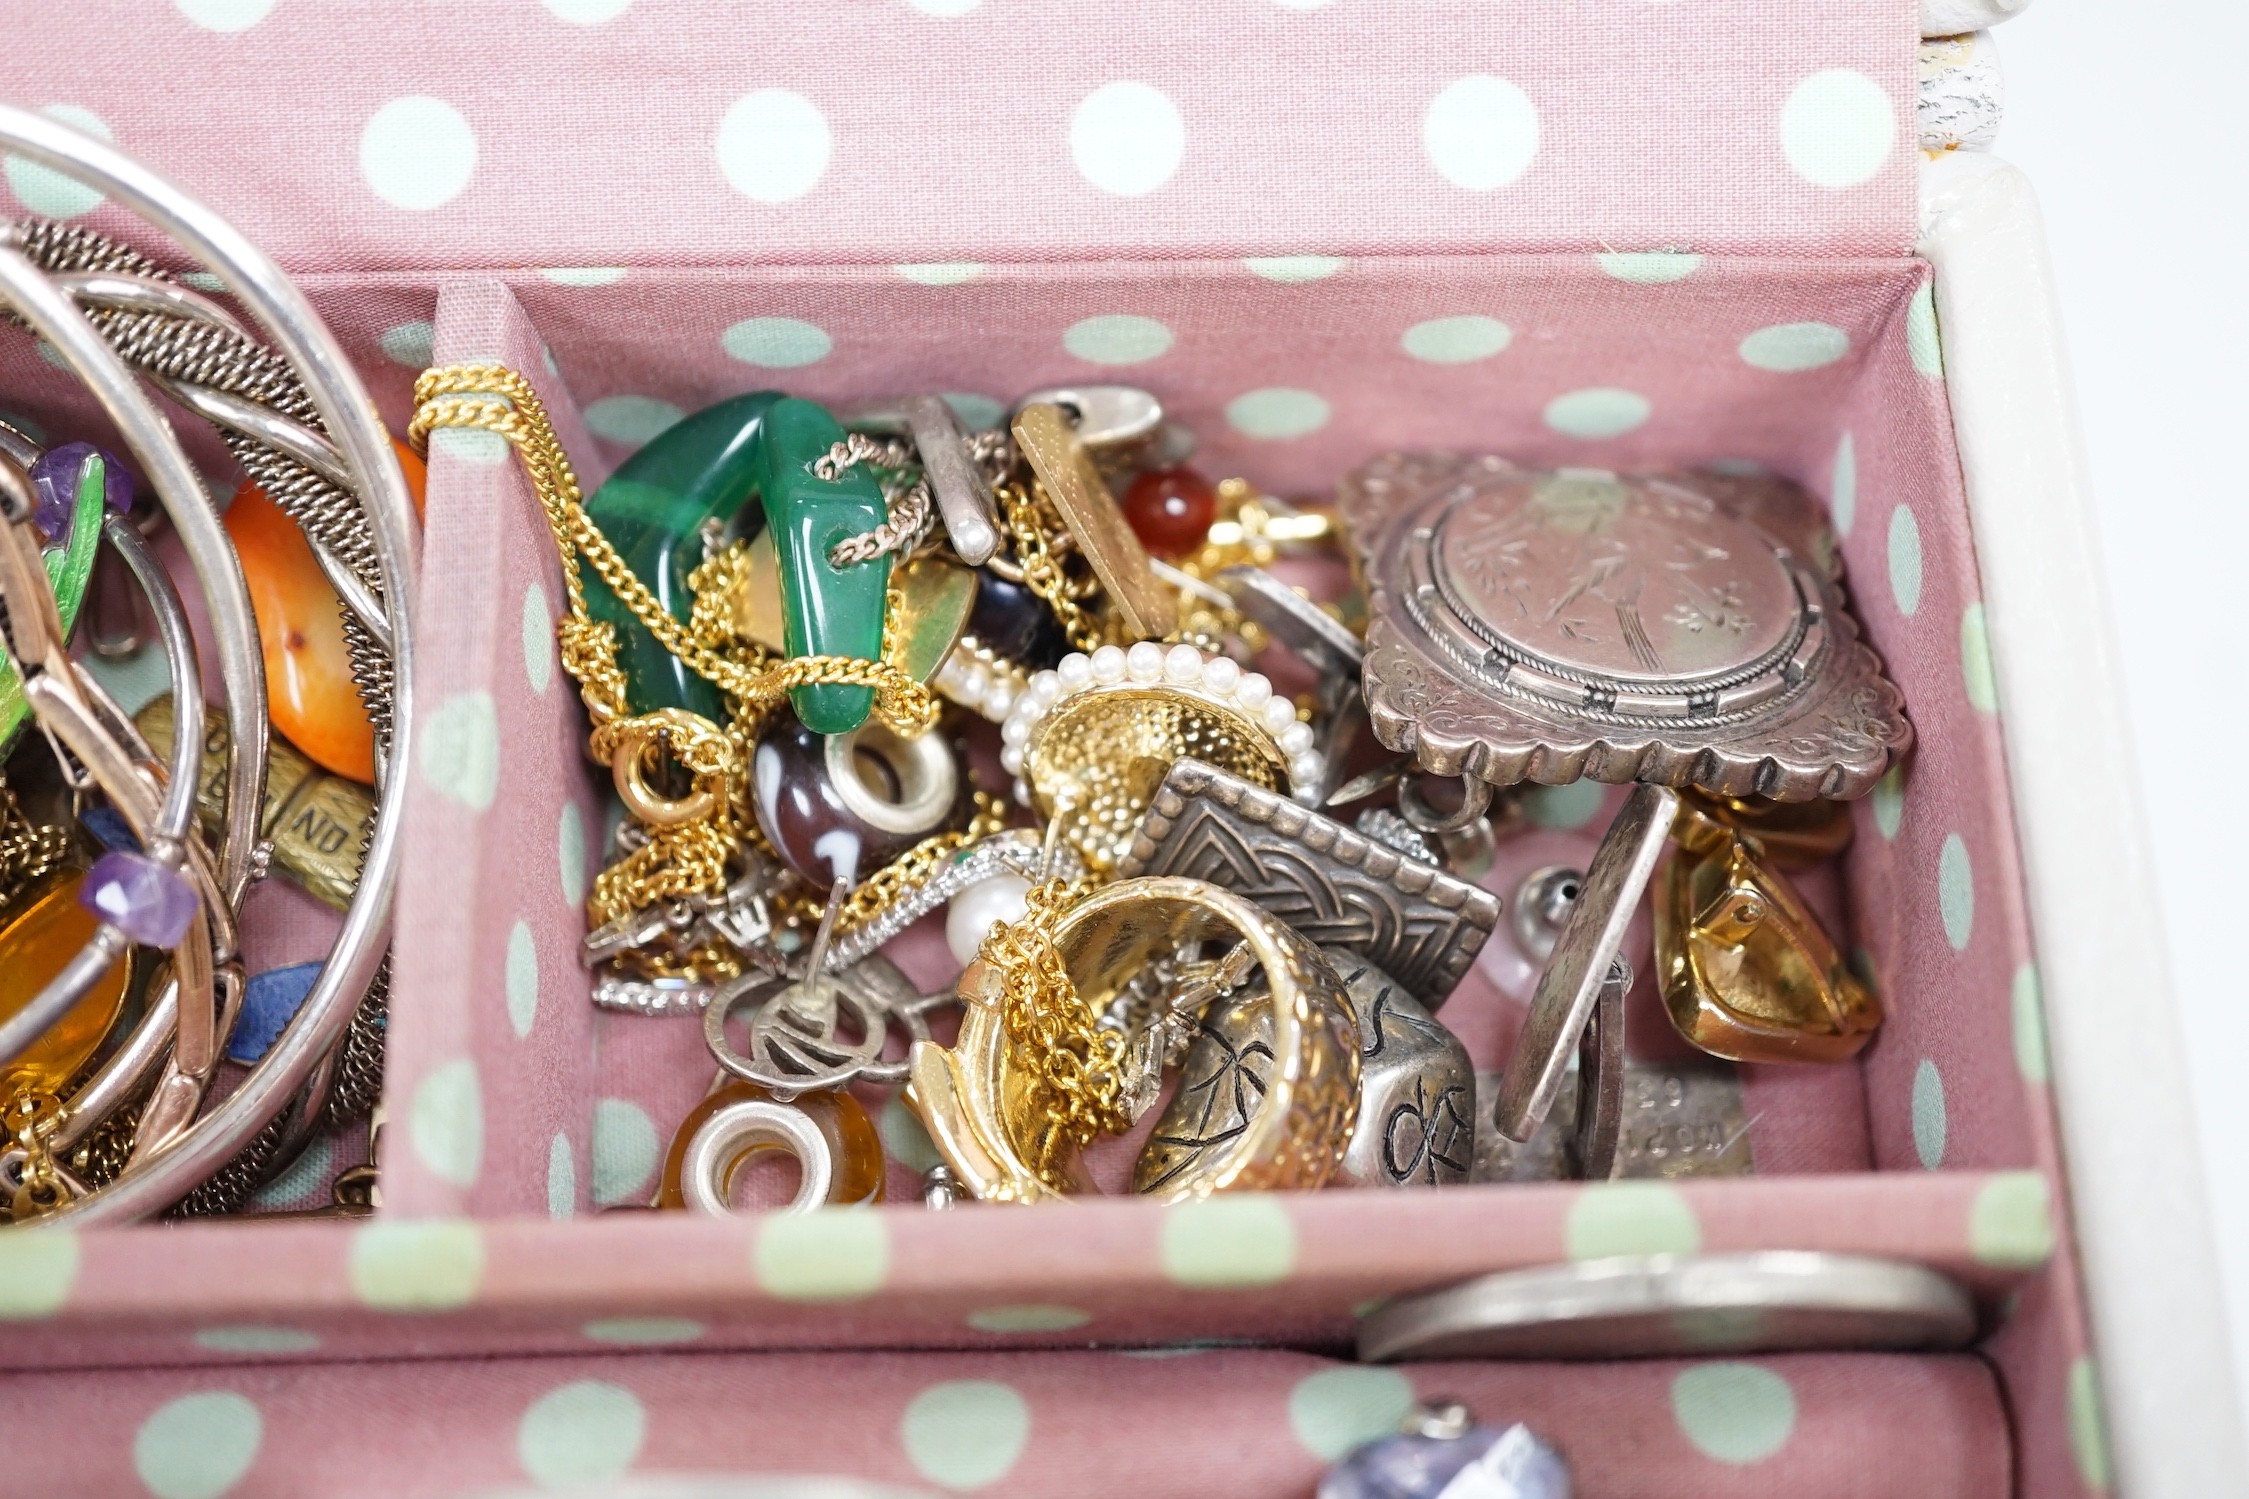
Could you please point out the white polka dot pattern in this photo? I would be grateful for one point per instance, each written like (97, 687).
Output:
(1462, 339)
(939, 272)
(1597, 412)
(581, 1434)
(226, 15)
(584, 275)
(1295, 267)
(1127, 138)
(966, 1434)
(198, 1446)
(1481, 133)
(1277, 413)
(417, 153)
(630, 420)
(777, 343)
(1738, 1414)
(773, 145)
(624, 130)
(1117, 338)
(593, 1419)
(42, 189)
(1838, 128)
(586, 12)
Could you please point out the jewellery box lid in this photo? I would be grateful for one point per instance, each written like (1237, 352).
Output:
(589, 134)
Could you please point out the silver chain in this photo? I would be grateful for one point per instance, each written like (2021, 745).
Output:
(909, 504)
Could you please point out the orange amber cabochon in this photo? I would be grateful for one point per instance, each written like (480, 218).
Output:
(312, 699)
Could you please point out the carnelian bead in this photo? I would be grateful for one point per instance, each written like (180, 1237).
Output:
(310, 695)
(1170, 510)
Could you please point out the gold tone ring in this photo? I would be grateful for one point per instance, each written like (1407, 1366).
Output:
(972, 1098)
(638, 743)
(1791, 835)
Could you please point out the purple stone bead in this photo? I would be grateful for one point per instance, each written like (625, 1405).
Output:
(54, 479)
(1484, 1463)
(148, 901)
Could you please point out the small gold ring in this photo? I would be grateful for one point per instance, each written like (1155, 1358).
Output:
(969, 1099)
(638, 744)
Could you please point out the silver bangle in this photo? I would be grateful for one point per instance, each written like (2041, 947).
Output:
(372, 532)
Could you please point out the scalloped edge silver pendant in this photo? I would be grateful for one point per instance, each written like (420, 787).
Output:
(1468, 671)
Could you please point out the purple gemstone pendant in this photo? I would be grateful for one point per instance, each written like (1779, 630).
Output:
(54, 479)
(148, 901)
(1447, 1459)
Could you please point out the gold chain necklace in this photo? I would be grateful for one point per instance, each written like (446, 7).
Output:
(1074, 1069)
(690, 856)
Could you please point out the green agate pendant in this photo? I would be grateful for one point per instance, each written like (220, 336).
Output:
(652, 510)
(825, 610)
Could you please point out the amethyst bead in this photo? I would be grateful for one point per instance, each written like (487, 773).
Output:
(54, 479)
(148, 901)
(1482, 1463)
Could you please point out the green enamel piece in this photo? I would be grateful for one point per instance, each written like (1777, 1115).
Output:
(652, 510)
(825, 610)
(69, 568)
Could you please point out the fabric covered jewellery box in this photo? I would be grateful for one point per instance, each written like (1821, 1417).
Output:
(1380, 769)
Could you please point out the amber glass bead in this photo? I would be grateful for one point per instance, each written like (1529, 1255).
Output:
(310, 693)
(1171, 510)
(853, 1142)
(40, 932)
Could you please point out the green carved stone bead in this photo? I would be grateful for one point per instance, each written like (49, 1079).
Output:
(652, 510)
(826, 610)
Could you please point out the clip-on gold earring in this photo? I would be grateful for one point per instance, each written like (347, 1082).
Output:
(1747, 972)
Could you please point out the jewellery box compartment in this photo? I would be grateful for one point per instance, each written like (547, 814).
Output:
(1811, 371)
(1231, 1422)
(515, 1110)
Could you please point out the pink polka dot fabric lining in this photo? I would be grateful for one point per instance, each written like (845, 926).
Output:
(695, 132)
(508, 1108)
(1585, 232)
(1185, 1422)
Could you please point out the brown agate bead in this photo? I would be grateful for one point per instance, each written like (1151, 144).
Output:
(1171, 510)
(844, 805)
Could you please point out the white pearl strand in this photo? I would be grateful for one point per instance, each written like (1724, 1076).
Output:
(1147, 664)
(977, 686)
